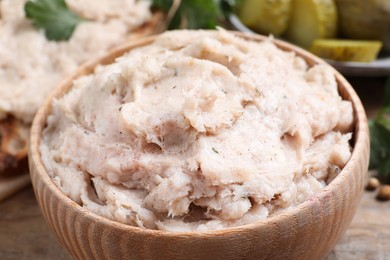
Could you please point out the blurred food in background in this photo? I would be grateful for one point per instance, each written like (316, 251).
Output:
(365, 19)
(265, 17)
(346, 50)
(340, 30)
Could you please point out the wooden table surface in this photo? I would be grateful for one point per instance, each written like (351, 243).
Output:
(24, 234)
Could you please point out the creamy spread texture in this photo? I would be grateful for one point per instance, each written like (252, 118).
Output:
(199, 130)
(31, 66)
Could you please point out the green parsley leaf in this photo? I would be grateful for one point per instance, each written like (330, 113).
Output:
(192, 14)
(53, 16)
(380, 138)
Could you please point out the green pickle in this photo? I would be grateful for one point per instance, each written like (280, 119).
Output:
(265, 16)
(346, 50)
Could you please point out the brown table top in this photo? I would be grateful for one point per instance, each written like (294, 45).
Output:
(24, 234)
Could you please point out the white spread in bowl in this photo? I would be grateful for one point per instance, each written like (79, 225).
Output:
(199, 130)
(31, 66)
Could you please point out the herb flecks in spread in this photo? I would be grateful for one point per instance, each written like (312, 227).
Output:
(223, 148)
(54, 17)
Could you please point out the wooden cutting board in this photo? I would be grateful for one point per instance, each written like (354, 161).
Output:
(11, 184)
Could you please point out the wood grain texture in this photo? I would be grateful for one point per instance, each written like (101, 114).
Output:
(24, 234)
(308, 231)
(11, 184)
(368, 236)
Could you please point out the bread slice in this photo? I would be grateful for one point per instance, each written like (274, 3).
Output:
(13, 144)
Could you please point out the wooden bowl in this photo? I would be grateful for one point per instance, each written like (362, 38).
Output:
(308, 231)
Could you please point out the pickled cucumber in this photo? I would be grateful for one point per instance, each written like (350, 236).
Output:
(346, 50)
(310, 20)
(365, 20)
(265, 16)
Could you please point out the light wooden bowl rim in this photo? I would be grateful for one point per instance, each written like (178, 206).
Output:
(360, 137)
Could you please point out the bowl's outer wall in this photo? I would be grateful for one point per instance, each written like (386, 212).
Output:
(309, 231)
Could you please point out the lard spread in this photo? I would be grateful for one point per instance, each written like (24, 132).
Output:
(198, 130)
(31, 66)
